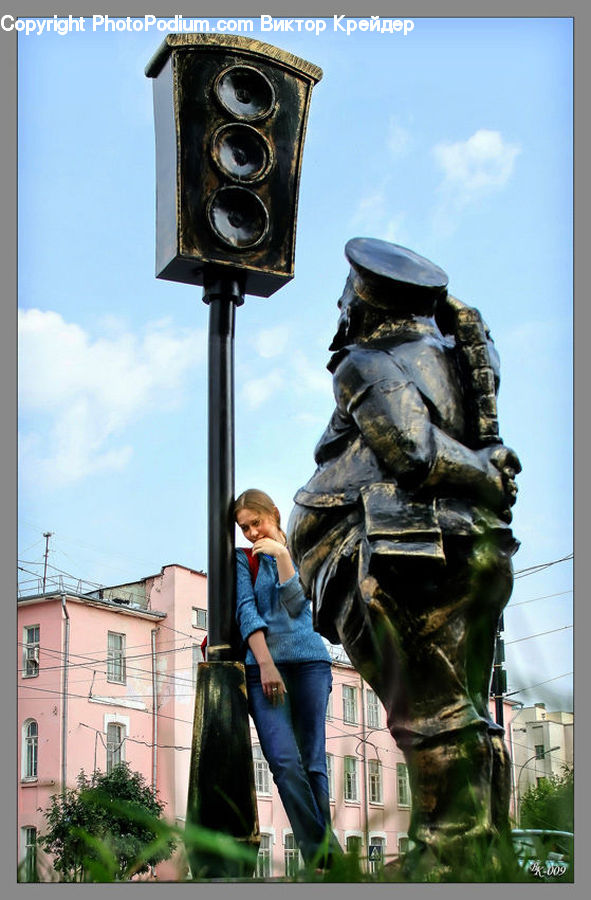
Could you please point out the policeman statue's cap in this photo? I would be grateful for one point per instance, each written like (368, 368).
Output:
(389, 276)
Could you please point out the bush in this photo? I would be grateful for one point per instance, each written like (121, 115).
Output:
(550, 804)
(106, 829)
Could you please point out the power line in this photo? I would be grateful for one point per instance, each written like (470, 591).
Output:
(533, 599)
(540, 634)
(538, 684)
(530, 570)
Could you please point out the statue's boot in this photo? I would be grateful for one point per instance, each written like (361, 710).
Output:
(452, 820)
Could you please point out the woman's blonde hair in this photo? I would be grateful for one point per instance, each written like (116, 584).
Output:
(259, 502)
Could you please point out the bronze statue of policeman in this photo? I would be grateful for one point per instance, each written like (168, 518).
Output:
(402, 535)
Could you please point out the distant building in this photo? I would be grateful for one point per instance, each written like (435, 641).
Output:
(109, 675)
(542, 745)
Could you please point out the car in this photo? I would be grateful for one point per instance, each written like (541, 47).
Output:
(545, 854)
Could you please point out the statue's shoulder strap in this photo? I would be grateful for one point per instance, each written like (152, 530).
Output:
(465, 324)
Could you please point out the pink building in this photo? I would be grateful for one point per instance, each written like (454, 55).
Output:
(109, 676)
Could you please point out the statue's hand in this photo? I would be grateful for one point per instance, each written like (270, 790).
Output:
(502, 465)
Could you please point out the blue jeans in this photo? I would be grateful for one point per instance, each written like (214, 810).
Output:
(293, 741)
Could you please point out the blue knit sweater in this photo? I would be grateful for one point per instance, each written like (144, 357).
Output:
(280, 610)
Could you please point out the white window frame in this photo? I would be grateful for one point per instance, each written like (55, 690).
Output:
(292, 858)
(30, 751)
(199, 618)
(373, 709)
(31, 651)
(358, 835)
(375, 782)
(402, 773)
(264, 863)
(262, 772)
(329, 714)
(123, 723)
(28, 850)
(116, 658)
(349, 704)
(330, 775)
(351, 779)
(403, 836)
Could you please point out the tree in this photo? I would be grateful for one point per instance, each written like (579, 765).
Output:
(106, 829)
(550, 804)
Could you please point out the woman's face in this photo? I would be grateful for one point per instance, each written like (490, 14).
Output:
(255, 525)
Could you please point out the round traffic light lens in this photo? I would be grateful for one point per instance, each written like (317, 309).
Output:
(241, 152)
(238, 217)
(245, 92)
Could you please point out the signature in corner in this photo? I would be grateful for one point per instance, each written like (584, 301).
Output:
(550, 869)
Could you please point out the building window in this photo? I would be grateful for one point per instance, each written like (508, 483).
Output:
(330, 775)
(116, 657)
(373, 709)
(31, 651)
(30, 745)
(353, 844)
(263, 867)
(115, 743)
(377, 849)
(350, 786)
(403, 784)
(199, 619)
(540, 779)
(374, 774)
(329, 707)
(262, 773)
(29, 853)
(291, 855)
(539, 748)
(403, 843)
(349, 704)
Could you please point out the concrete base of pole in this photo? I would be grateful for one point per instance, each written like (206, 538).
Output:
(221, 796)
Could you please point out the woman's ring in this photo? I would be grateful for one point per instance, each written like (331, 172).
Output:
(275, 690)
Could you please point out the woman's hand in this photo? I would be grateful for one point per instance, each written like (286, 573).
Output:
(279, 552)
(270, 547)
(272, 683)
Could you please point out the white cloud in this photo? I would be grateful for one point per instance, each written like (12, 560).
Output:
(79, 394)
(257, 391)
(472, 170)
(272, 341)
(375, 218)
(310, 379)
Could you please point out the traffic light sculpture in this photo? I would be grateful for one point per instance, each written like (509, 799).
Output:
(230, 121)
(230, 118)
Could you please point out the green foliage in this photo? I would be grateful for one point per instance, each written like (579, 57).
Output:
(108, 828)
(550, 804)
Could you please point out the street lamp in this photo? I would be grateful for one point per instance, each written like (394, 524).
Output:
(535, 756)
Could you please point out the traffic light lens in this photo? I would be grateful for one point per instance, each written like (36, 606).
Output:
(238, 217)
(241, 152)
(245, 92)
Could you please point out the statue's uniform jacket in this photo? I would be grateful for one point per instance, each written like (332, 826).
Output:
(398, 401)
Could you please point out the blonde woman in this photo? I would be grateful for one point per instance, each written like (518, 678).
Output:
(288, 675)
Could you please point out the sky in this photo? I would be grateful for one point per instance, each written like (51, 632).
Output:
(454, 140)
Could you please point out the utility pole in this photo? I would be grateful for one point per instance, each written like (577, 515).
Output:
(46, 535)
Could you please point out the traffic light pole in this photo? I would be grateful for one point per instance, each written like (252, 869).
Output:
(222, 295)
(221, 795)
